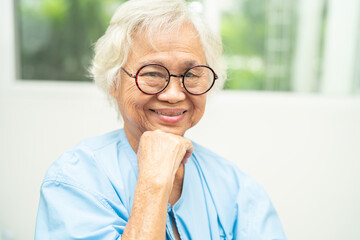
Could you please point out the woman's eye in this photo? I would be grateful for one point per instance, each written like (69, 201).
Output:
(190, 75)
(152, 74)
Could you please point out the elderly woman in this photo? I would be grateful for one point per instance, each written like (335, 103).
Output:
(157, 61)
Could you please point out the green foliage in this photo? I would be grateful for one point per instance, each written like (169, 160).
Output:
(54, 9)
(57, 37)
(244, 29)
(244, 79)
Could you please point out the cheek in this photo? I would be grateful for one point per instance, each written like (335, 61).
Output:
(126, 99)
(131, 103)
(199, 103)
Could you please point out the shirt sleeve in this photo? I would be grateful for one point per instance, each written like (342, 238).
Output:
(256, 217)
(68, 211)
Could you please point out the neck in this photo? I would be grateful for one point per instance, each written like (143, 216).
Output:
(133, 137)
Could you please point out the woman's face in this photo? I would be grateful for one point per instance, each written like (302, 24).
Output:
(173, 110)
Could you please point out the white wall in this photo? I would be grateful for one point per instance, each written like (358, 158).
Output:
(304, 149)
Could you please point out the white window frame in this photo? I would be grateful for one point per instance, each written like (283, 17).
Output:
(340, 46)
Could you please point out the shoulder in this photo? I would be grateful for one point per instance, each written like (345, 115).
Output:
(221, 168)
(79, 187)
(224, 178)
(241, 202)
(81, 164)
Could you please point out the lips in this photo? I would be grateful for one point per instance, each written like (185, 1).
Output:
(169, 115)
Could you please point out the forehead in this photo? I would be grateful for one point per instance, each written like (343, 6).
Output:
(178, 46)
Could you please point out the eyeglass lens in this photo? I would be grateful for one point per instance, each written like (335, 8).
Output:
(152, 79)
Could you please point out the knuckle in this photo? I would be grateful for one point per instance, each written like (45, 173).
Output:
(147, 133)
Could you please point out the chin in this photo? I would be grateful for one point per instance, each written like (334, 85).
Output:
(172, 130)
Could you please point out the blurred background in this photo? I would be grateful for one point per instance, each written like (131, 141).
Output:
(269, 45)
(289, 114)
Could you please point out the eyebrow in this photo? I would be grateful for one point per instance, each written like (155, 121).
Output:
(185, 65)
(188, 64)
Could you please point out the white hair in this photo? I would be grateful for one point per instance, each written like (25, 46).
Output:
(149, 16)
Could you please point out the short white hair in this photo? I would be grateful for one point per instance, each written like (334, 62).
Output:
(149, 16)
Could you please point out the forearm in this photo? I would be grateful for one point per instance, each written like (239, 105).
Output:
(149, 211)
(159, 156)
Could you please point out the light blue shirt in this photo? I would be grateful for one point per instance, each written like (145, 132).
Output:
(88, 193)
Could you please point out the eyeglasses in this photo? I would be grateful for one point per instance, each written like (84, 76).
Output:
(154, 78)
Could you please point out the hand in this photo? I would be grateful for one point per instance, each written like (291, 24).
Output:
(160, 155)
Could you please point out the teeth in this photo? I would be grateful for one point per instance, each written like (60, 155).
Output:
(167, 114)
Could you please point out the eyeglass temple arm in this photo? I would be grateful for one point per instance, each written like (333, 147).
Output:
(130, 75)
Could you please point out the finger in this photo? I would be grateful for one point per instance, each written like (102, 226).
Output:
(189, 149)
(187, 154)
(184, 161)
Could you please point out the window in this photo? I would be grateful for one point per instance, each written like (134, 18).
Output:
(258, 38)
(271, 45)
(56, 36)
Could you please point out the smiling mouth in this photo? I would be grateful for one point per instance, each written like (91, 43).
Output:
(170, 113)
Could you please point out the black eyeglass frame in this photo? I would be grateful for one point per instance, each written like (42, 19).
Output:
(171, 75)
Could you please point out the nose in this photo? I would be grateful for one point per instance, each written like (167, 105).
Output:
(174, 92)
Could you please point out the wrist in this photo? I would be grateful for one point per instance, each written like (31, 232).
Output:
(157, 185)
